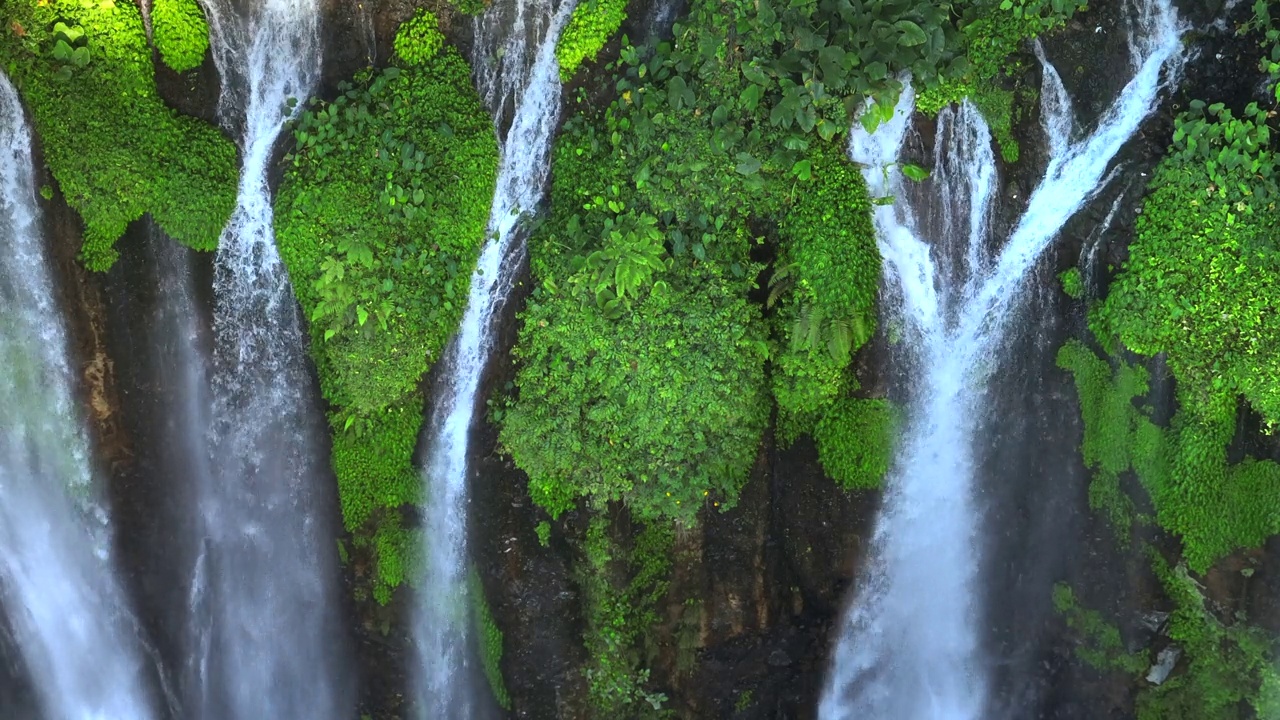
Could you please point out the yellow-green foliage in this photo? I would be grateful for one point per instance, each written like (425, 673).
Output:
(489, 639)
(419, 39)
(115, 148)
(589, 28)
(1072, 283)
(180, 33)
(379, 220)
(1199, 287)
(855, 442)
(397, 553)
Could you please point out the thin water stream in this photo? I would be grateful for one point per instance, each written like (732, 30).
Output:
(264, 635)
(66, 611)
(911, 646)
(516, 69)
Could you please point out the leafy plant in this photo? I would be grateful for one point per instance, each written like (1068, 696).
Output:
(1072, 283)
(419, 39)
(590, 26)
(180, 32)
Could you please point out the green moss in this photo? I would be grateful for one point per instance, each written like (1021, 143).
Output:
(1215, 507)
(1100, 645)
(180, 32)
(116, 150)
(620, 590)
(489, 639)
(379, 220)
(592, 24)
(419, 39)
(855, 442)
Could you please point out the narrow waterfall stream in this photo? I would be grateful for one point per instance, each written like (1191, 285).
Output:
(78, 642)
(264, 632)
(910, 647)
(516, 68)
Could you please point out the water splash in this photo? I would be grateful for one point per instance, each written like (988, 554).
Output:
(65, 609)
(518, 71)
(264, 627)
(909, 647)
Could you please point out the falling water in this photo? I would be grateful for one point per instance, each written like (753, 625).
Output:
(67, 614)
(909, 648)
(263, 631)
(517, 70)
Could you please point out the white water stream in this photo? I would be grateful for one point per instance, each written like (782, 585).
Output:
(910, 646)
(516, 70)
(264, 633)
(66, 611)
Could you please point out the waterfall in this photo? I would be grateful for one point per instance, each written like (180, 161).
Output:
(264, 634)
(517, 69)
(67, 613)
(909, 647)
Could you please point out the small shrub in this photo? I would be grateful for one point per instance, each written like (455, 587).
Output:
(1072, 283)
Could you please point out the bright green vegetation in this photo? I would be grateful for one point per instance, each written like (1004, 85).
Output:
(180, 33)
(1072, 283)
(379, 220)
(1214, 506)
(994, 32)
(592, 24)
(647, 359)
(116, 150)
(855, 442)
(419, 39)
(1100, 645)
(489, 639)
(620, 589)
(658, 407)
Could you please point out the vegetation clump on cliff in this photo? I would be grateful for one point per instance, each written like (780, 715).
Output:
(379, 220)
(180, 32)
(116, 150)
(1198, 290)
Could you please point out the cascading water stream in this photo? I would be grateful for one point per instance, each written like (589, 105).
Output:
(517, 70)
(264, 636)
(66, 611)
(909, 647)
